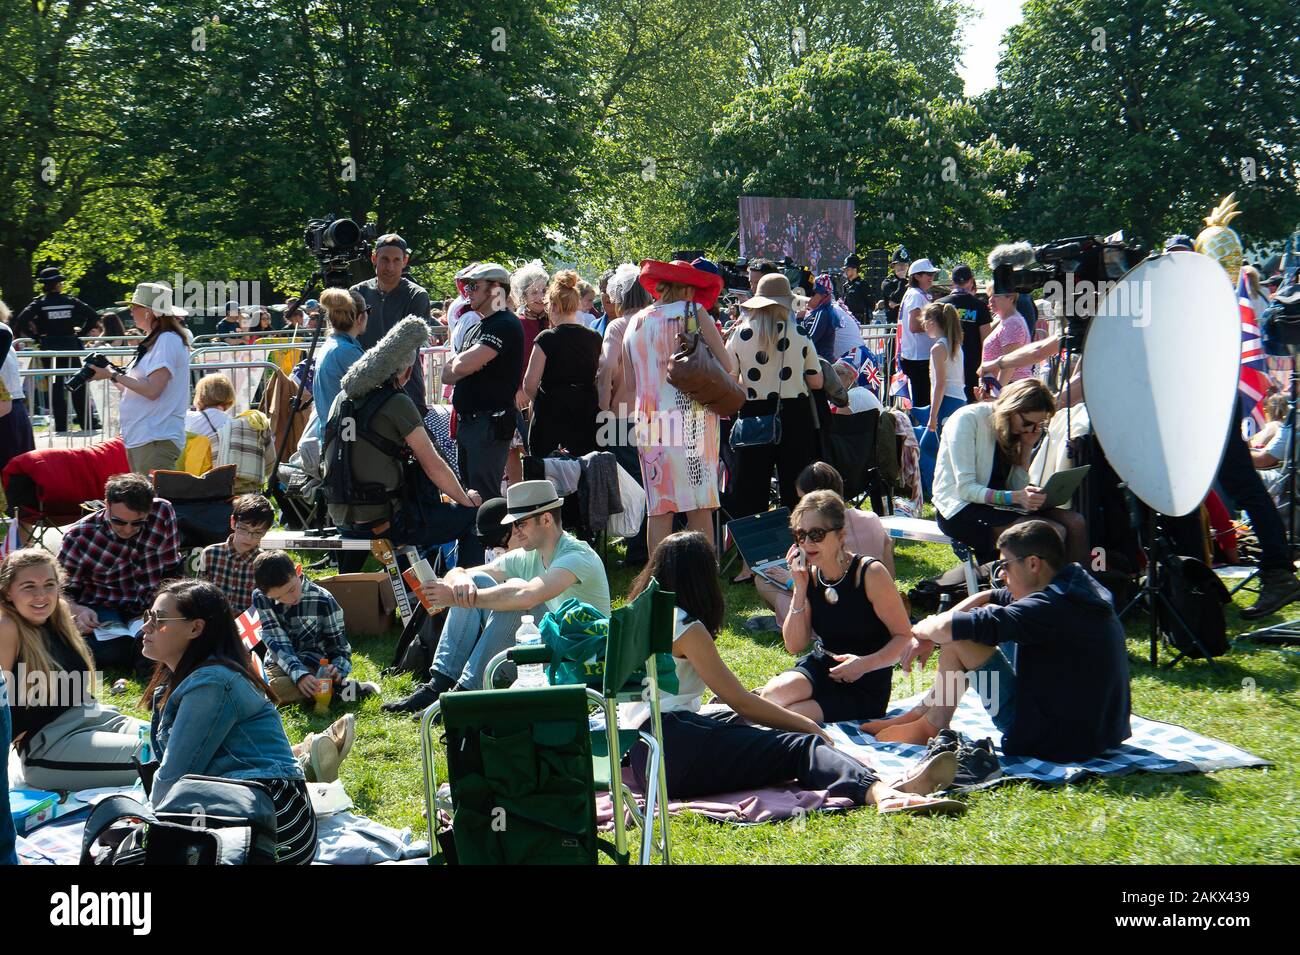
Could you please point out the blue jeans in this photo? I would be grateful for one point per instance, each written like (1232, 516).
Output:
(472, 636)
(8, 835)
(995, 682)
(929, 440)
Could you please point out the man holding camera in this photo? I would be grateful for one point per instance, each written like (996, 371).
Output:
(391, 297)
(53, 319)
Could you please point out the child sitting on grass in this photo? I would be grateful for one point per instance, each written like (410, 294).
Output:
(229, 565)
(302, 624)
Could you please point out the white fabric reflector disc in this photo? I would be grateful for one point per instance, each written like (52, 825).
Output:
(1160, 371)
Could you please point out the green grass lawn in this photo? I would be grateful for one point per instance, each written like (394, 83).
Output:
(1235, 816)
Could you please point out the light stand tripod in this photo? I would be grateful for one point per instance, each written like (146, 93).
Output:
(1151, 594)
(1288, 631)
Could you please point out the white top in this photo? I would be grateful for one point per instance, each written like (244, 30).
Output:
(208, 423)
(954, 371)
(162, 419)
(848, 334)
(860, 399)
(916, 345)
(690, 686)
(10, 377)
(965, 464)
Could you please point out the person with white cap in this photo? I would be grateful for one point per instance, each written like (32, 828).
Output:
(488, 603)
(914, 343)
(486, 375)
(156, 388)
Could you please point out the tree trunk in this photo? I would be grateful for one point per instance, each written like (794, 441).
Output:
(16, 285)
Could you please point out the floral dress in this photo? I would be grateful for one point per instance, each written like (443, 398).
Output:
(677, 439)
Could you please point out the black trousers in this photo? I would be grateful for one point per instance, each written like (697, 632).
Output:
(710, 755)
(482, 445)
(918, 374)
(752, 467)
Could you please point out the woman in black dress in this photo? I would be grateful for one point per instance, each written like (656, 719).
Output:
(847, 608)
(561, 378)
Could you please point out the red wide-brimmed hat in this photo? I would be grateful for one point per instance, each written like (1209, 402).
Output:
(708, 285)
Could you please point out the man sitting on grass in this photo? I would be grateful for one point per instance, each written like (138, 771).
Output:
(487, 603)
(302, 624)
(229, 565)
(116, 559)
(1067, 697)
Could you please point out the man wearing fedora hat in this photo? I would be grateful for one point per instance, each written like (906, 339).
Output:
(53, 318)
(488, 603)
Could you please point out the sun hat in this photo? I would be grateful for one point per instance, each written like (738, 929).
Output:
(707, 284)
(773, 289)
(920, 266)
(158, 298)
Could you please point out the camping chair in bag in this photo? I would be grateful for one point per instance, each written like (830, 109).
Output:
(203, 505)
(640, 640)
(47, 487)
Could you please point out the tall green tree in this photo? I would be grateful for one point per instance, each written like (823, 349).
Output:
(1140, 115)
(858, 125)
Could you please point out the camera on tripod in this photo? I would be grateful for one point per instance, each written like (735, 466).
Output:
(87, 370)
(1074, 274)
(337, 243)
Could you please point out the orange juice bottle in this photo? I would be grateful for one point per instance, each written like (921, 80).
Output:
(326, 692)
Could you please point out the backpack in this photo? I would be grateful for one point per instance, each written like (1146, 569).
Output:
(887, 465)
(417, 644)
(205, 820)
(353, 421)
(1198, 596)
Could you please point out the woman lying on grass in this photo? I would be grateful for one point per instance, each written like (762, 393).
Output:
(711, 755)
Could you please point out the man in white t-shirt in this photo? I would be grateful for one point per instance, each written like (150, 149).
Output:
(914, 355)
(486, 604)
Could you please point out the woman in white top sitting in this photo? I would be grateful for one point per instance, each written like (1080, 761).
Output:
(711, 755)
(947, 384)
(156, 388)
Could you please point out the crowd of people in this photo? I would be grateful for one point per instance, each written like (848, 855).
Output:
(544, 366)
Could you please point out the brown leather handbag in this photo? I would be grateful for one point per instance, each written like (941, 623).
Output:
(694, 371)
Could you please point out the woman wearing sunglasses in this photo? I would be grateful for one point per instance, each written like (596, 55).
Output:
(213, 715)
(846, 607)
(982, 470)
(65, 739)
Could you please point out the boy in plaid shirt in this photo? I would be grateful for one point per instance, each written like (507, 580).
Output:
(229, 565)
(302, 624)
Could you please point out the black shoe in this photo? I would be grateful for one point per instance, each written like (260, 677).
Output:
(423, 698)
(1277, 589)
(947, 741)
(976, 765)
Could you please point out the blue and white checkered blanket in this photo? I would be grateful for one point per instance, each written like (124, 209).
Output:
(1154, 747)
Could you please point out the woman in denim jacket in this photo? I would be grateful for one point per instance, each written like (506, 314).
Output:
(213, 715)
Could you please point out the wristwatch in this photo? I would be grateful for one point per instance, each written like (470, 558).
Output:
(114, 375)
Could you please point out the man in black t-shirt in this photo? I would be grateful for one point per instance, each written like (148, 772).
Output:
(54, 319)
(976, 323)
(485, 375)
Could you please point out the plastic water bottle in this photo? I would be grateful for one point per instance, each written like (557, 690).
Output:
(146, 751)
(532, 674)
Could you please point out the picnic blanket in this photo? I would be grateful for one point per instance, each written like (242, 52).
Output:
(343, 839)
(1154, 747)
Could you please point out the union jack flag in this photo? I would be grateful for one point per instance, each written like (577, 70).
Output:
(1254, 381)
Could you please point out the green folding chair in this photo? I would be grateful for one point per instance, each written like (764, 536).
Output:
(522, 788)
(640, 642)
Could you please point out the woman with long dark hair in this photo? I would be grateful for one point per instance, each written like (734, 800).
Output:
(213, 715)
(710, 755)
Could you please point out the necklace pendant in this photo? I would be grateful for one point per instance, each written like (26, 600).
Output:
(832, 597)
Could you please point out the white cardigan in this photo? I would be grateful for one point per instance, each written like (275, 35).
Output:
(965, 464)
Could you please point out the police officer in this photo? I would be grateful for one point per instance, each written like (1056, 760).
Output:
(894, 287)
(857, 296)
(53, 319)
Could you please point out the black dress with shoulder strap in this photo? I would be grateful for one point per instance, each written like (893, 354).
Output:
(846, 623)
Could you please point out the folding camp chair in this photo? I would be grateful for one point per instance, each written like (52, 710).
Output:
(640, 639)
(203, 505)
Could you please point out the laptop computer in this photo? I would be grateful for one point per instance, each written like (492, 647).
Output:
(764, 540)
(1059, 489)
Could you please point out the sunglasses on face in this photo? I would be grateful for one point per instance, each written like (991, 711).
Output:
(470, 286)
(118, 522)
(999, 569)
(152, 618)
(815, 534)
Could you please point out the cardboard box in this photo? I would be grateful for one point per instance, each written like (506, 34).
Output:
(367, 601)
